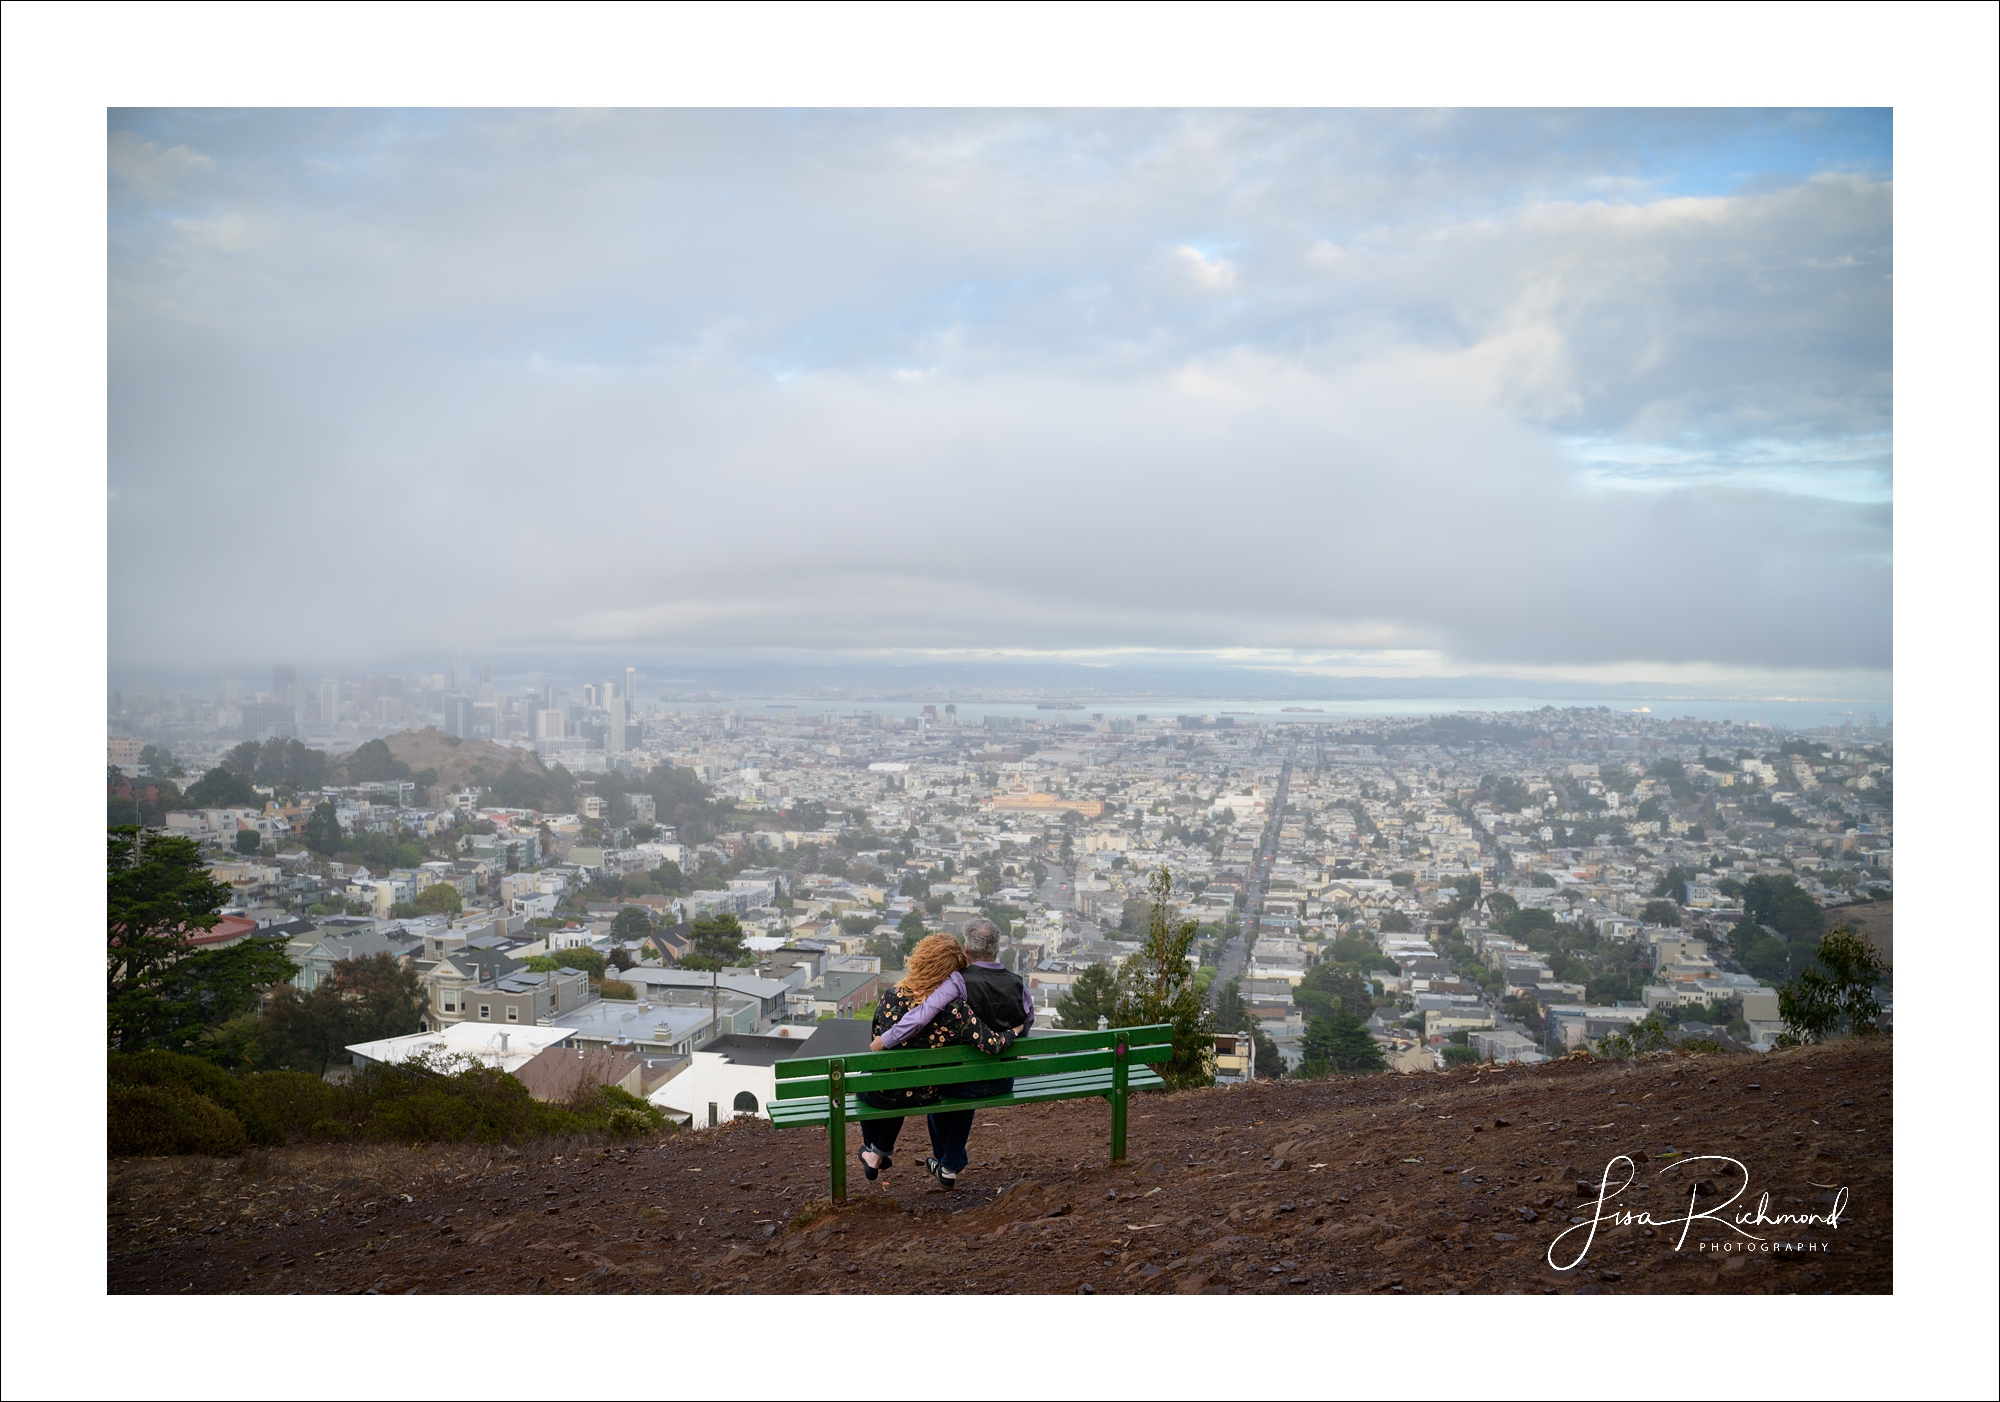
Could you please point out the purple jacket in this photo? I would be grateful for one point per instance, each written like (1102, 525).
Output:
(940, 998)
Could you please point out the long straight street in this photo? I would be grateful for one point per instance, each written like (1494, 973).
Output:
(1235, 955)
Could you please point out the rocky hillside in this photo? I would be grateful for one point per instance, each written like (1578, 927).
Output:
(1451, 1183)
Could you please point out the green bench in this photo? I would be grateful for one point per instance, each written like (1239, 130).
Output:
(1043, 1065)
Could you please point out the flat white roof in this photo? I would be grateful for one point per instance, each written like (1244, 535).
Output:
(482, 1041)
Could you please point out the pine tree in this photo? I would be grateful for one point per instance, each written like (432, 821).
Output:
(1093, 995)
(718, 945)
(1159, 987)
(1340, 1043)
(1231, 1015)
(323, 830)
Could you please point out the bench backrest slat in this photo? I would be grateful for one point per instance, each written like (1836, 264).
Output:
(978, 1065)
(917, 1077)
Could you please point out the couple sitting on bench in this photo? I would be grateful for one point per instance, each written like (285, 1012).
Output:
(948, 997)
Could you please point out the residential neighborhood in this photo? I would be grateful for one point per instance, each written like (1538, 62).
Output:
(1497, 886)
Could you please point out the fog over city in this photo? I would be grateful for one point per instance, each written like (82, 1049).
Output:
(1602, 396)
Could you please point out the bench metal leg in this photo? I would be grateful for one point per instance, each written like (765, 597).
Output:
(836, 1129)
(1120, 1079)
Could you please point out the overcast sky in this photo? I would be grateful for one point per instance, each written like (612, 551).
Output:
(1580, 394)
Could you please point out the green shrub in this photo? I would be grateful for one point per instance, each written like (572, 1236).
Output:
(169, 1119)
(297, 1102)
(167, 1104)
(427, 1116)
(625, 1115)
(202, 1078)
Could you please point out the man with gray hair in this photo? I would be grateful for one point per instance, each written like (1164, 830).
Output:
(999, 998)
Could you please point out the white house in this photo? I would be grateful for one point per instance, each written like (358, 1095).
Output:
(734, 1075)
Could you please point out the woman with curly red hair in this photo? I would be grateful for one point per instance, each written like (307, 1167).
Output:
(935, 959)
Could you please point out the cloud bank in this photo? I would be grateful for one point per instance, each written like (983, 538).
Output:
(1505, 390)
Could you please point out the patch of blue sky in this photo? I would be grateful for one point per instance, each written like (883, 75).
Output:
(1639, 156)
(1782, 148)
(1857, 469)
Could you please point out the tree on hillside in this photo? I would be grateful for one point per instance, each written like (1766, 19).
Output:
(1231, 1014)
(1093, 995)
(159, 761)
(1327, 990)
(1505, 792)
(440, 898)
(197, 997)
(911, 928)
(668, 879)
(220, 788)
(247, 841)
(1158, 986)
(1354, 951)
(1837, 996)
(1468, 895)
(1778, 901)
(632, 925)
(1270, 1061)
(1394, 922)
(161, 990)
(681, 801)
(1673, 885)
(384, 997)
(362, 1000)
(1340, 1043)
(323, 832)
(528, 785)
(280, 760)
(372, 763)
(717, 942)
(1660, 913)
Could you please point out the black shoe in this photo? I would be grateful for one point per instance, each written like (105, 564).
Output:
(944, 1176)
(871, 1173)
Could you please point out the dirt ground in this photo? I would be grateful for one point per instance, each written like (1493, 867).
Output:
(1448, 1183)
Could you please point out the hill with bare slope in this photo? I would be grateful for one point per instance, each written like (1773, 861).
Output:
(1875, 919)
(1458, 1182)
(459, 763)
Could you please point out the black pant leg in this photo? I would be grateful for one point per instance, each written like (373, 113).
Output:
(950, 1130)
(879, 1135)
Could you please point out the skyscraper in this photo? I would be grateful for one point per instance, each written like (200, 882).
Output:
(614, 720)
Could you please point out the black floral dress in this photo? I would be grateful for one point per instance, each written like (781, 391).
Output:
(956, 1026)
